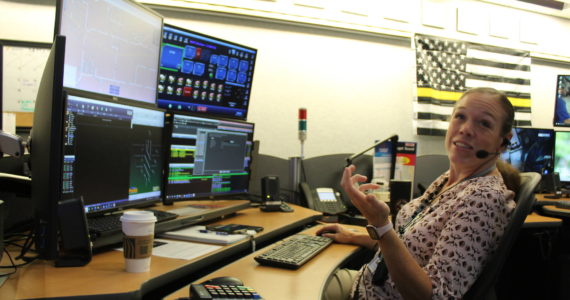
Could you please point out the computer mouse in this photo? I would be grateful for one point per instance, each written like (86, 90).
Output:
(224, 280)
(326, 231)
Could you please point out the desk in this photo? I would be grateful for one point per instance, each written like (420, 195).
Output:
(551, 209)
(307, 282)
(105, 273)
(535, 220)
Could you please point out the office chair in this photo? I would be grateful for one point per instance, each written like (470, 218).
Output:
(484, 286)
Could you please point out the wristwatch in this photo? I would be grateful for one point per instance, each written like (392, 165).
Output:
(377, 232)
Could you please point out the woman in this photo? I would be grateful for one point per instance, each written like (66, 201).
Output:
(442, 239)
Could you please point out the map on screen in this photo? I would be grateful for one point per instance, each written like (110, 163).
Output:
(112, 48)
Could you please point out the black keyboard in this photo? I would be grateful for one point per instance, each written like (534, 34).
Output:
(111, 224)
(294, 251)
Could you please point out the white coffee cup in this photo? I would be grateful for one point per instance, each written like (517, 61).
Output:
(138, 237)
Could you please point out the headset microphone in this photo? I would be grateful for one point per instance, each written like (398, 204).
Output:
(483, 154)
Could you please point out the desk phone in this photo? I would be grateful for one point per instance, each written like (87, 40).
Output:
(323, 199)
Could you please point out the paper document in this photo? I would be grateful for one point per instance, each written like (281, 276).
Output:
(182, 250)
(200, 234)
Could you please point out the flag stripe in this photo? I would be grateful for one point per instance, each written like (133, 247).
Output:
(440, 127)
(500, 58)
(432, 132)
(501, 86)
(497, 71)
(449, 98)
(498, 50)
(495, 78)
(502, 65)
(426, 104)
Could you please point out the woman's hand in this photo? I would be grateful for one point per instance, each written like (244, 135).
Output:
(343, 235)
(375, 211)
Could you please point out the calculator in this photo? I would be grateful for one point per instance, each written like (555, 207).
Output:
(220, 291)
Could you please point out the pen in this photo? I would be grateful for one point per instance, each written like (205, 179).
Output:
(210, 231)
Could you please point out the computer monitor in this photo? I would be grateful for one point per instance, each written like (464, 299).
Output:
(46, 152)
(113, 47)
(562, 101)
(112, 153)
(531, 150)
(204, 74)
(208, 157)
(562, 157)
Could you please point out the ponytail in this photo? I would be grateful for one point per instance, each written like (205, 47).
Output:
(511, 176)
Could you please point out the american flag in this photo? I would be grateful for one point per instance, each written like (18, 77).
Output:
(446, 68)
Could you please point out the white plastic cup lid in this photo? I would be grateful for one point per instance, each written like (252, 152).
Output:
(138, 216)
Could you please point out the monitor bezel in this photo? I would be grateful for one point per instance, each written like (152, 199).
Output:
(558, 81)
(209, 114)
(168, 142)
(46, 151)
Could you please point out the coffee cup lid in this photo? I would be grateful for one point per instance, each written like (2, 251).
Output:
(138, 216)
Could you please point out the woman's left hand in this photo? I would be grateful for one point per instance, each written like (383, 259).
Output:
(375, 211)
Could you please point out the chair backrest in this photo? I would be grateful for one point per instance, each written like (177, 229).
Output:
(428, 168)
(484, 286)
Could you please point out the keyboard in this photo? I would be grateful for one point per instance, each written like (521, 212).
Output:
(563, 204)
(111, 224)
(293, 252)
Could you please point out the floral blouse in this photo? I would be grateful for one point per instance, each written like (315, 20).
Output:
(452, 239)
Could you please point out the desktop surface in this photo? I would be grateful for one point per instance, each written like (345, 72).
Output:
(307, 282)
(105, 274)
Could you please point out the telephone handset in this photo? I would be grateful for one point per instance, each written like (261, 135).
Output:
(323, 199)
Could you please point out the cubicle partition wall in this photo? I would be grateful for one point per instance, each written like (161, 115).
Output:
(326, 171)
(264, 165)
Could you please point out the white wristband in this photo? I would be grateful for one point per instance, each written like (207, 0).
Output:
(376, 233)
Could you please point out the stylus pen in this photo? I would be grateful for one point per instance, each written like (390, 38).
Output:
(349, 159)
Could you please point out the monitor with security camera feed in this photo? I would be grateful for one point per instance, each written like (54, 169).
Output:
(531, 150)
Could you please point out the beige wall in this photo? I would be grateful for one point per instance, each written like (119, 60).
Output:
(357, 87)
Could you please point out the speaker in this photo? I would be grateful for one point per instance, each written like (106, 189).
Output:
(400, 194)
(270, 200)
(75, 244)
(270, 189)
(550, 183)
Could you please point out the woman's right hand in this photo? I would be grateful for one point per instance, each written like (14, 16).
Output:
(343, 235)
(375, 211)
(337, 232)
